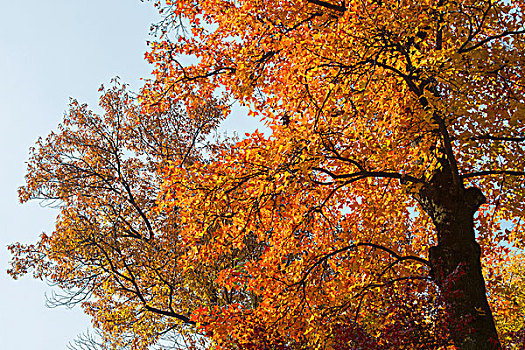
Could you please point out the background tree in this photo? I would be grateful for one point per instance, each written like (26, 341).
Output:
(112, 251)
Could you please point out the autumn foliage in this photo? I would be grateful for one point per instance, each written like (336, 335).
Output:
(381, 209)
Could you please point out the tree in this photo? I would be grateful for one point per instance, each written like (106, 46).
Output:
(112, 251)
(421, 102)
(393, 175)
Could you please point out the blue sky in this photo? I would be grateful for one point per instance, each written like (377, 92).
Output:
(50, 51)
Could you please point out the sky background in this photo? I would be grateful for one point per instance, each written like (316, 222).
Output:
(50, 51)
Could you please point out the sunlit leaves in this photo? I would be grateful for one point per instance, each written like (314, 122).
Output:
(315, 234)
(366, 103)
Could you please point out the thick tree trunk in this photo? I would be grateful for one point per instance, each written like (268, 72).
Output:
(456, 261)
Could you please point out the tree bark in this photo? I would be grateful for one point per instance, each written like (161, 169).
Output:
(456, 261)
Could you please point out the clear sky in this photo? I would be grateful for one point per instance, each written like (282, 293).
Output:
(50, 51)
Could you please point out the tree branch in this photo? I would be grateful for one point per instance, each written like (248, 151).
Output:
(365, 174)
(398, 257)
(328, 5)
(180, 317)
(492, 172)
(499, 138)
(494, 37)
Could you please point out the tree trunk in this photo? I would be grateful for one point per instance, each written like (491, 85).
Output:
(456, 261)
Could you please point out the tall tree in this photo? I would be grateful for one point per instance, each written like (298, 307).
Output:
(378, 110)
(382, 210)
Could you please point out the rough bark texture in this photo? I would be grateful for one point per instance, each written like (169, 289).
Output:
(455, 261)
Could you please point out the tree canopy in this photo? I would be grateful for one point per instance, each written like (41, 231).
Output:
(383, 209)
